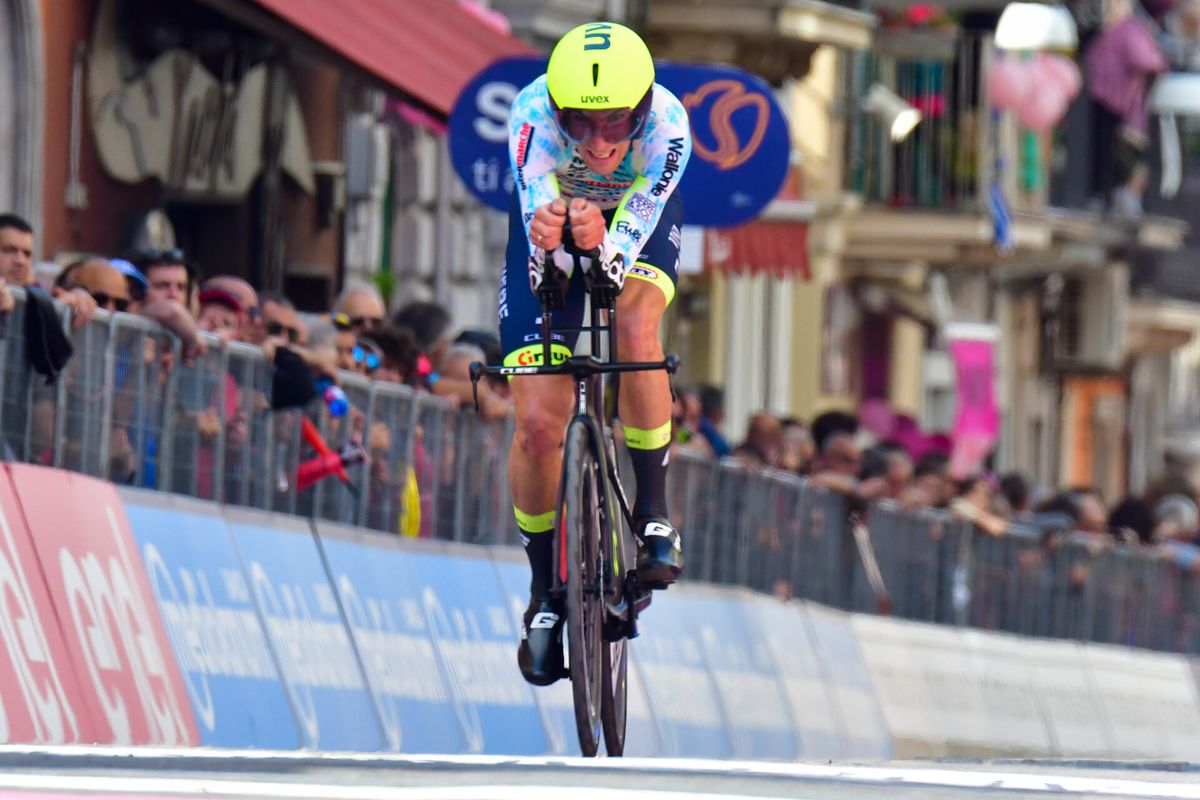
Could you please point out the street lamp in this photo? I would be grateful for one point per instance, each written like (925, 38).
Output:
(897, 115)
(1176, 94)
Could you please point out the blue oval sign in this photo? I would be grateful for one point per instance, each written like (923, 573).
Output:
(740, 139)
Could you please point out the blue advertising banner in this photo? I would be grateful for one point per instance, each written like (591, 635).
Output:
(740, 138)
(756, 711)
(385, 609)
(215, 632)
(690, 717)
(470, 623)
(781, 629)
(300, 610)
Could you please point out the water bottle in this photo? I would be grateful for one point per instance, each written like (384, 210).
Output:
(334, 397)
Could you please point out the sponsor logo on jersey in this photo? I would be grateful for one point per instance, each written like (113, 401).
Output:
(641, 206)
(674, 157)
(523, 143)
(643, 272)
(630, 231)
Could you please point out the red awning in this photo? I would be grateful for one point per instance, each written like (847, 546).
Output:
(426, 49)
(778, 248)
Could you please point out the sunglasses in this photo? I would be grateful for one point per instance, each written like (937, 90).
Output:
(104, 300)
(344, 322)
(279, 329)
(615, 125)
(156, 256)
(365, 357)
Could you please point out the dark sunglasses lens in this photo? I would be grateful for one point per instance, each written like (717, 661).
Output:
(121, 304)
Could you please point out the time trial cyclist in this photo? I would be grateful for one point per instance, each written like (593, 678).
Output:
(595, 140)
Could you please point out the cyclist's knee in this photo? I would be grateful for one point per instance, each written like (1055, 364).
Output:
(538, 434)
(637, 335)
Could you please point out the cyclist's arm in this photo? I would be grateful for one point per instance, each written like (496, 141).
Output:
(666, 147)
(534, 150)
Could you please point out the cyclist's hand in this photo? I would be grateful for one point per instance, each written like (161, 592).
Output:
(587, 224)
(545, 230)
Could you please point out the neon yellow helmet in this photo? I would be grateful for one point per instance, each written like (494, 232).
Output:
(600, 66)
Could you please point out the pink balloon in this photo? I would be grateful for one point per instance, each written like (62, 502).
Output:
(1043, 108)
(1008, 82)
(1062, 71)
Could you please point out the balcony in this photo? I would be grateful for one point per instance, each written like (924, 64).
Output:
(942, 164)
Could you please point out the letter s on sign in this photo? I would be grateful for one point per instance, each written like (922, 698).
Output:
(493, 103)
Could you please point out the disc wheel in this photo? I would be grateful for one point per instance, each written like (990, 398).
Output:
(615, 702)
(585, 610)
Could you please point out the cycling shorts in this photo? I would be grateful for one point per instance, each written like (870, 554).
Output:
(520, 310)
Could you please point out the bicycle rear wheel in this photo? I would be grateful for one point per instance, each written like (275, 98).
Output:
(614, 705)
(580, 530)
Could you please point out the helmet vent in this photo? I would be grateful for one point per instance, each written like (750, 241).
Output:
(595, 74)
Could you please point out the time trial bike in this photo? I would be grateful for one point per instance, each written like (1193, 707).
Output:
(603, 594)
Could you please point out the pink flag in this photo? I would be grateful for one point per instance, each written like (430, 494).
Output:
(978, 421)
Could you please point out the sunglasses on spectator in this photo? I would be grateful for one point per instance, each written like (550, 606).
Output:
(279, 329)
(365, 357)
(104, 300)
(156, 256)
(345, 322)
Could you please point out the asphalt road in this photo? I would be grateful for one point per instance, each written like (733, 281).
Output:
(79, 772)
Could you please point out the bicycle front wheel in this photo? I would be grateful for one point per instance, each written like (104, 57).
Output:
(615, 702)
(581, 531)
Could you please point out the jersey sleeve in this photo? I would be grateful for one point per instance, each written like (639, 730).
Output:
(666, 147)
(534, 151)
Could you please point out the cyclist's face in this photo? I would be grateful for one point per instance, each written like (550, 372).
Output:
(602, 156)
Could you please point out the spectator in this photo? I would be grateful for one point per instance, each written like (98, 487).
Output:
(430, 323)
(250, 325)
(16, 269)
(220, 314)
(712, 417)
(358, 308)
(796, 447)
(1119, 63)
(281, 324)
(932, 485)
(397, 353)
(973, 504)
(824, 425)
(104, 282)
(1132, 521)
(135, 283)
(1176, 521)
(685, 421)
(168, 276)
(168, 295)
(764, 437)
(1018, 494)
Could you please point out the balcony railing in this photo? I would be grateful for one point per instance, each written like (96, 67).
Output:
(939, 164)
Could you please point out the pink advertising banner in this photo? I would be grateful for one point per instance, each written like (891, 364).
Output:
(977, 423)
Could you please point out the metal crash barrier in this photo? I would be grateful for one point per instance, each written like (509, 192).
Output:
(129, 408)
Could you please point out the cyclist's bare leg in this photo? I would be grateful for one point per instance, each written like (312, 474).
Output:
(645, 396)
(543, 406)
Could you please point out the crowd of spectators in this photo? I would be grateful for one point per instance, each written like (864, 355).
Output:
(416, 346)
(836, 453)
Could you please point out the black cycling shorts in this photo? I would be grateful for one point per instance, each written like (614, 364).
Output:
(520, 311)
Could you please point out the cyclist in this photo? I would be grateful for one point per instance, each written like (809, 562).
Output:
(595, 140)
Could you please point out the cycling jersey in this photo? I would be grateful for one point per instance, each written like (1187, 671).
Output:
(547, 166)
